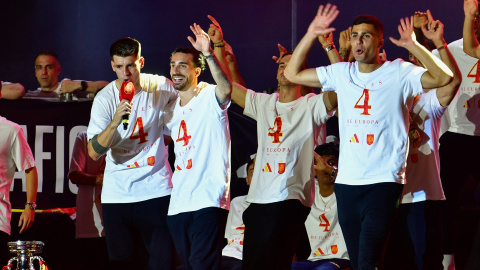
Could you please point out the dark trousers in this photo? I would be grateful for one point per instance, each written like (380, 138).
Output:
(459, 171)
(124, 221)
(364, 213)
(421, 228)
(198, 237)
(271, 234)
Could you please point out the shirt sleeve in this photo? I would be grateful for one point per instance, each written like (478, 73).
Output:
(21, 152)
(79, 154)
(318, 108)
(411, 78)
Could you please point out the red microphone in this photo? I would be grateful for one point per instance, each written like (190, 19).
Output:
(126, 92)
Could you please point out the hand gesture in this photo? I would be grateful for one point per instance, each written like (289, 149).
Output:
(383, 55)
(282, 51)
(470, 7)
(419, 18)
(202, 42)
(432, 29)
(26, 219)
(321, 23)
(407, 36)
(319, 164)
(215, 31)
(326, 39)
(344, 39)
(69, 86)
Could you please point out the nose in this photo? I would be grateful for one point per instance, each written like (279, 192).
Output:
(44, 71)
(126, 71)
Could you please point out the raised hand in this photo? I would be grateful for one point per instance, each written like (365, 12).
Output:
(326, 39)
(470, 7)
(407, 36)
(344, 39)
(282, 51)
(419, 18)
(321, 23)
(383, 55)
(215, 31)
(432, 29)
(202, 41)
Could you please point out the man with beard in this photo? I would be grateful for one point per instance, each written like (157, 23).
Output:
(198, 123)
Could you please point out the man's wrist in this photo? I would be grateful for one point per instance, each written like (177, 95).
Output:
(208, 54)
(31, 205)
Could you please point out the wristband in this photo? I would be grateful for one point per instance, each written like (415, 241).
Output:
(442, 47)
(84, 85)
(208, 56)
(32, 205)
(329, 47)
(99, 149)
(220, 41)
(219, 46)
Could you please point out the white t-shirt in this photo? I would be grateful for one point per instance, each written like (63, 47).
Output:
(423, 163)
(463, 113)
(137, 161)
(88, 222)
(373, 119)
(14, 154)
(235, 229)
(201, 136)
(286, 135)
(323, 230)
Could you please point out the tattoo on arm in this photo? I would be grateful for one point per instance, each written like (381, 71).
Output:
(344, 54)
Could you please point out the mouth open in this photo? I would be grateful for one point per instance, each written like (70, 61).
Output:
(177, 79)
(359, 51)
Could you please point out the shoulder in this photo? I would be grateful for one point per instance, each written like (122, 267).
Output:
(9, 127)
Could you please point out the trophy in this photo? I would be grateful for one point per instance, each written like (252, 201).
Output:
(26, 251)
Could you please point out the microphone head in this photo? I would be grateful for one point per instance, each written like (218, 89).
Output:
(127, 91)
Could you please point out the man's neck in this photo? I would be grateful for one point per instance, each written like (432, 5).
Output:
(187, 95)
(50, 89)
(289, 93)
(326, 189)
(370, 67)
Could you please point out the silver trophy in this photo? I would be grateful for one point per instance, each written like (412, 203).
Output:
(25, 251)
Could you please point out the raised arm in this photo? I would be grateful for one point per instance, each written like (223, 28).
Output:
(437, 74)
(28, 216)
(90, 87)
(12, 91)
(220, 46)
(329, 47)
(319, 26)
(100, 143)
(223, 90)
(470, 42)
(345, 50)
(446, 93)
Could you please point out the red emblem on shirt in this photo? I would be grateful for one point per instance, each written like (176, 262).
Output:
(334, 249)
(151, 160)
(281, 168)
(370, 139)
(189, 165)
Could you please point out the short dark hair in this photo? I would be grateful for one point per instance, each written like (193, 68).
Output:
(327, 149)
(198, 58)
(285, 54)
(369, 19)
(125, 47)
(48, 53)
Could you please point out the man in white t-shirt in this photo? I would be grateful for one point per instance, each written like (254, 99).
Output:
(47, 70)
(198, 124)
(372, 100)
(137, 179)
(232, 253)
(15, 154)
(87, 174)
(461, 124)
(323, 234)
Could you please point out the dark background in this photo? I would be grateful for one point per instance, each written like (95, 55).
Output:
(81, 32)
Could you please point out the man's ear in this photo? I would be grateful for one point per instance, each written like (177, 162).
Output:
(198, 71)
(113, 65)
(381, 43)
(142, 62)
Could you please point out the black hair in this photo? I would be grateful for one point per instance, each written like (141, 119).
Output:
(327, 149)
(198, 58)
(125, 47)
(48, 53)
(369, 19)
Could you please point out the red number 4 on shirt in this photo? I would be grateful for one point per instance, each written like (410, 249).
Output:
(364, 106)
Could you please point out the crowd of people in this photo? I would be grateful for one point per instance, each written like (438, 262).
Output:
(404, 175)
